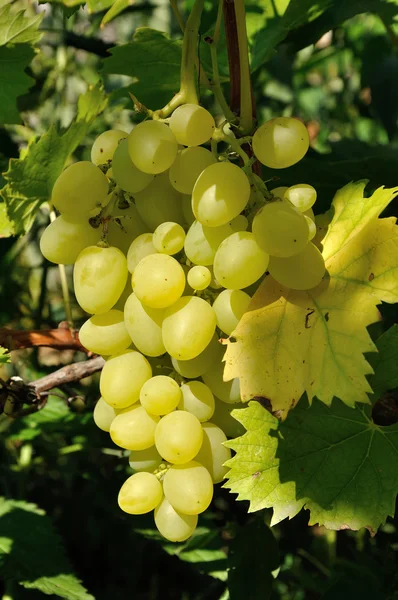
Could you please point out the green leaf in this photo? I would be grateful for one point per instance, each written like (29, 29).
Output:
(4, 355)
(6, 228)
(30, 180)
(384, 363)
(13, 80)
(32, 553)
(16, 28)
(117, 7)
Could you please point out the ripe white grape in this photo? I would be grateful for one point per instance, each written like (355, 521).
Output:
(105, 146)
(230, 306)
(158, 280)
(140, 247)
(178, 437)
(144, 325)
(168, 238)
(187, 167)
(159, 202)
(279, 192)
(127, 176)
(302, 271)
(192, 125)
(223, 418)
(63, 240)
(152, 147)
(145, 460)
(79, 190)
(134, 429)
(173, 525)
(239, 223)
(188, 488)
(280, 229)
(191, 369)
(239, 261)
(199, 278)
(105, 334)
(213, 454)
(197, 399)
(103, 415)
(122, 378)
(311, 227)
(188, 327)
(201, 242)
(99, 277)
(124, 296)
(131, 225)
(227, 391)
(221, 192)
(160, 395)
(280, 142)
(302, 196)
(140, 493)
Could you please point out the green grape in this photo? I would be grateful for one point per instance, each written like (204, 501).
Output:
(145, 460)
(187, 167)
(160, 395)
(105, 334)
(279, 192)
(221, 192)
(99, 277)
(310, 214)
(152, 147)
(103, 415)
(302, 271)
(122, 378)
(80, 189)
(213, 454)
(239, 261)
(281, 142)
(199, 278)
(223, 418)
(129, 226)
(197, 399)
(186, 204)
(311, 228)
(172, 525)
(280, 229)
(201, 242)
(139, 248)
(188, 327)
(125, 173)
(227, 391)
(191, 369)
(188, 488)
(239, 223)
(158, 280)
(302, 196)
(230, 306)
(104, 147)
(178, 437)
(144, 325)
(159, 202)
(63, 240)
(192, 125)
(141, 493)
(134, 429)
(168, 238)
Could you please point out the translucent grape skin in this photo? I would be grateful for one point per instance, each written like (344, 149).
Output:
(303, 271)
(140, 493)
(158, 280)
(159, 202)
(62, 241)
(99, 277)
(197, 399)
(79, 190)
(105, 146)
(103, 415)
(172, 525)
(134, 429)
(144, 325)
(230, 306)
(192, 125)
(280, 229)
(188, 488)
(105, 334)
(280, 142)
(199, 277)
(201, 242)
(122, 378)
(178, 437)
(125, 173)
(187, 167)
(191, 369)
(145, 460)
(168, 238)
(160, 395)
(152, 147)
(140, 247)
(302, 196)
(213, 454)
(239, 261)
(311, 228)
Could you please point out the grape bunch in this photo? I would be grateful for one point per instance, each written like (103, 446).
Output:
(169, 240)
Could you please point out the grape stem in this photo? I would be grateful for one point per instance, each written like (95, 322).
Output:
(246, 107)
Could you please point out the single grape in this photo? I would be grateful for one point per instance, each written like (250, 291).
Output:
(99, 277)
(239, 223)
(122, 378)
(281, 142)
(227, 391)
(311, 228)
(280, 229)
(140, 493)
(279, 192)
(178, 437)
(140, 247)
(230, 306)
(80, 189)
(103, 415)
(62, 241)
(197, 399)
(191, 369)
(302, 271)
(213, 454)
(134, 429)
(192, 125)
(159, 202)
(105, 334)
(125, 227)
(158, 280)
(160, 395)
(173, 525)
(221, 192)
(168, 238)
(199, 278)
(223, 418)
(188, 327)
(144, 325)
(188, 488)
(152, 147)
(302, 196)
(127, 176)
(239, 261)
(187, 167)
(201, 242)
(105, 145)
(145, 460)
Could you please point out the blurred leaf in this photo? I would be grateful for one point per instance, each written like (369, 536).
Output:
(384, 89)
(4, 356)
(13, 80)
(16, 28)
(117, 7)
(6, 228)
(384, 363)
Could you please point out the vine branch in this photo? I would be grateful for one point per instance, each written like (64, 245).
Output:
(62, 338)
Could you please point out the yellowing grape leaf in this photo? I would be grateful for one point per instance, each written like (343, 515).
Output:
(294, 342)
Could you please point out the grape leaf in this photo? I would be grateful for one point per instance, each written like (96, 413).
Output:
(384, 363)
(16, 28)
(294, 342)
(30, 179)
